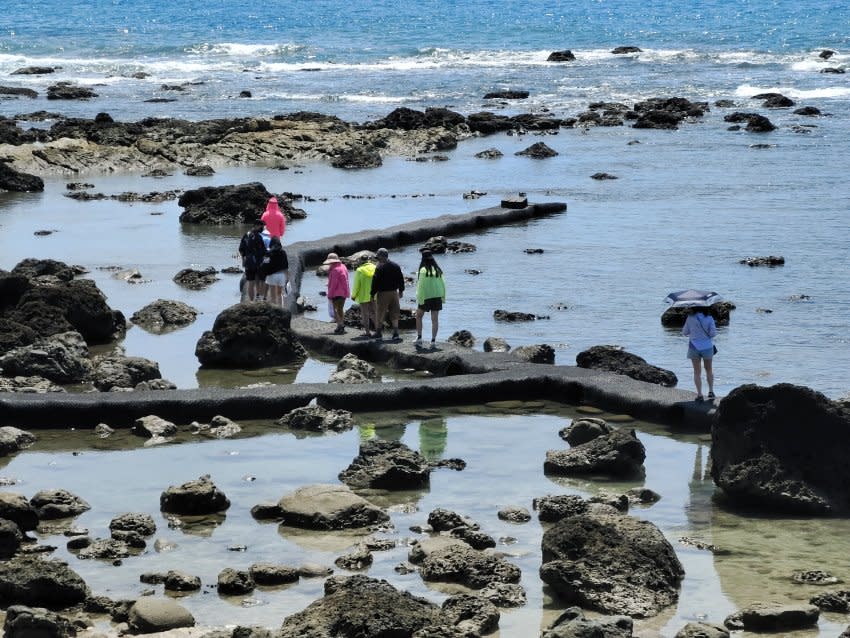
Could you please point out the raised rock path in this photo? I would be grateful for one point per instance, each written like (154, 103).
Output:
(462, 376)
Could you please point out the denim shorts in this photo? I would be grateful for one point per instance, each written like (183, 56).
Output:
(693, 353)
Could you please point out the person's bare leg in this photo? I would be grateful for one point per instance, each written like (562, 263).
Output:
(697, 375)
(435, 324)
(709, 375)
(419, 314)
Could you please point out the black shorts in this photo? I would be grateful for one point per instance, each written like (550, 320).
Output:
(434, 303)
(253, 274)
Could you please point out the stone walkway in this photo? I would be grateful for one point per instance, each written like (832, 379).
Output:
(462, 376)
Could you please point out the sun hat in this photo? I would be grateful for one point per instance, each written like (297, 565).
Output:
(332, 258)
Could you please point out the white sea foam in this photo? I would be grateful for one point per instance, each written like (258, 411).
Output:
(242, 50)
(748, 90)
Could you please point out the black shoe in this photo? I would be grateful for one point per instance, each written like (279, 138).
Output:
(396, 337)
(339, 330)
(379, 336)
(699, 398)
(711, 395)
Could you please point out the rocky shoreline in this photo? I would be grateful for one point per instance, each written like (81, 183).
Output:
(75, 146)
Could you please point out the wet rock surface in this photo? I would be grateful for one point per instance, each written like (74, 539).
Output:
(617, 360)
(249, 335)
(540, 353)
(119, 371)
(328, 507)
(52, 504)
(32, 622)
(197, 497)
(14, 440)
(762, 458)
(29, 385)
(163, 315)
(61, 358)
(315, 418)
(151, 615)
(612, 563)
(389, 465)
(618, 453)
(40, 583)
(584, 430)
(17, 509)
(574, 624)
(773, 617)
(195, 279)
(359, 606)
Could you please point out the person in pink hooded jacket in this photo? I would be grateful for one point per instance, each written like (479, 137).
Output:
(273, 219)
(338, 290)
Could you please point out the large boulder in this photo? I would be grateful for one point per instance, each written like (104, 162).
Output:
(328, 507)
(10, 538)
(197, 497)
(389, 465)
(51, 504)
(150, 615)
(781, 449)
(574, 624)
(14, 440)
(454, 561)
(619, 361)
(611, 563)
(16, 508)
(224, 205)
(164, 315)
(29, 622)
(12, 180)
(73, 305)
(249, 335)
(61, 358)
(32, 268)
(12, 286)
(618, 453)
(675, 317)
(40, 583)
(118, 371)
(358, 606)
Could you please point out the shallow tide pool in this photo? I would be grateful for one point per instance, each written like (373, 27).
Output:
(504, 450)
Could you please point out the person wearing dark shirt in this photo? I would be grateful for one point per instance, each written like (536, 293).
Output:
(275, 269)
(387, 289)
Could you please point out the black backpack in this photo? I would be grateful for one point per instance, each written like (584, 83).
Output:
(253, 249)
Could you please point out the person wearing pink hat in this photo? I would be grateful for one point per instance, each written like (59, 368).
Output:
(273, 219)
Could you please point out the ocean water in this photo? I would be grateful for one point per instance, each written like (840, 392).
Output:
(686, 207)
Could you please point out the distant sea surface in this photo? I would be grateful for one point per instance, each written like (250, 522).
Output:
(686, 207)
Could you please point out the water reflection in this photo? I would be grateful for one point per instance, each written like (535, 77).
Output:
(202, 526)
(276, 375)
(433, 436)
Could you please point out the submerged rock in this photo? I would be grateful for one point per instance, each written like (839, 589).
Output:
(328, 507)
(618, 453)
(195, 279)
(611, 563)
(773, 617)
(163, 315)
(538, 150)
(150, 615)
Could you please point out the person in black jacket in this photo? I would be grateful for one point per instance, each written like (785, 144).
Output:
(387, 289)
(253, 251)
(275, 271)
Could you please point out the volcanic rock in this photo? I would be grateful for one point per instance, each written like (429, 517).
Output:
(40, 583)
(389, 465)
(561, 56)
(118, 371)
(540, 353)
(249, 335)
(196, 497)
(163, 315)
(51, 504)
(611, 563)
(317, 419)
(538, 150)
(619, 361)
(619, 453)
(150, 615)
(762, 458)
(328, 507)
(12, 180)
(14, 440)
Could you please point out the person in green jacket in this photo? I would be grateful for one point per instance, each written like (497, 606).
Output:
(430, 295)
(361, 293)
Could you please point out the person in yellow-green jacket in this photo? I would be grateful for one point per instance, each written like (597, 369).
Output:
(430, 295)
(361, 293)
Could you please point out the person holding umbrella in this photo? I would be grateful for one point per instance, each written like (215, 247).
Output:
(700, 329)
